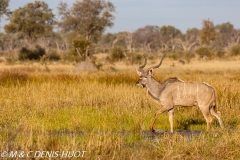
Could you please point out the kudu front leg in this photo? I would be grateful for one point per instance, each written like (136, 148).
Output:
(155, 116)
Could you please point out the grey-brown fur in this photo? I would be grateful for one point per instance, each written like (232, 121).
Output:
(175, 92)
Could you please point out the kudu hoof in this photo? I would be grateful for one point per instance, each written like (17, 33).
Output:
(153, 131)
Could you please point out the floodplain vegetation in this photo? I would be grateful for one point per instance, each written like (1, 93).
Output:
(105, 114)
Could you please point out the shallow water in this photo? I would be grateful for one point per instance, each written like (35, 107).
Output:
(158, 134)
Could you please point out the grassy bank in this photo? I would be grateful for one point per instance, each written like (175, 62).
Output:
(104, 114)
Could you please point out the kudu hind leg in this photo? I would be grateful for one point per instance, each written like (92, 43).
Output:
(207, 116)
(217, 114)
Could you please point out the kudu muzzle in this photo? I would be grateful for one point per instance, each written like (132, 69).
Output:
(140, 84)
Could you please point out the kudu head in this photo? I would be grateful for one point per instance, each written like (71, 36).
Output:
(146, 76)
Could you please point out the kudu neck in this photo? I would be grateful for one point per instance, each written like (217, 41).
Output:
(153, 85)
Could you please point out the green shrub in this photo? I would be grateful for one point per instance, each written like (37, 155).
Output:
(203, 51)
(117, 54)
(54, 56)
(44, 59)
(11, 60)
(235, 50)
(81, 44)
(220, 53)
(136, 58)
(71, 56)
(31, 54)
(174, 56)
(24, 53)
(189, 55)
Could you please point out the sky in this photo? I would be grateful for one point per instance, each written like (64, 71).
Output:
(131, 15)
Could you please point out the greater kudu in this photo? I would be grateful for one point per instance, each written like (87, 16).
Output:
(175, 92)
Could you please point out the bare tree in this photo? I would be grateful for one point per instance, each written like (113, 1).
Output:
(127, 37)
(129, 40)
(189, 40)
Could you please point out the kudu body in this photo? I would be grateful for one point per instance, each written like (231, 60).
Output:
(175, 92)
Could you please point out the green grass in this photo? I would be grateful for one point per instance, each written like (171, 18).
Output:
(105, 114)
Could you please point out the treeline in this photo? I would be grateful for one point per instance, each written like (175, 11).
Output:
(77, 32)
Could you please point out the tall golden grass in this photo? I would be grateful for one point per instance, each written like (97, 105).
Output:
(105, 114)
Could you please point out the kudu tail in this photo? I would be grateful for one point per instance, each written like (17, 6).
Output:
(214, 108)
(217, 114)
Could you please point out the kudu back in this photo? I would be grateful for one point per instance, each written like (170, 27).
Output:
(175, 92)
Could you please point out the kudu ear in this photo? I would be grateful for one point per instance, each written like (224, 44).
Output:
(150, 72)
(139, 72)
